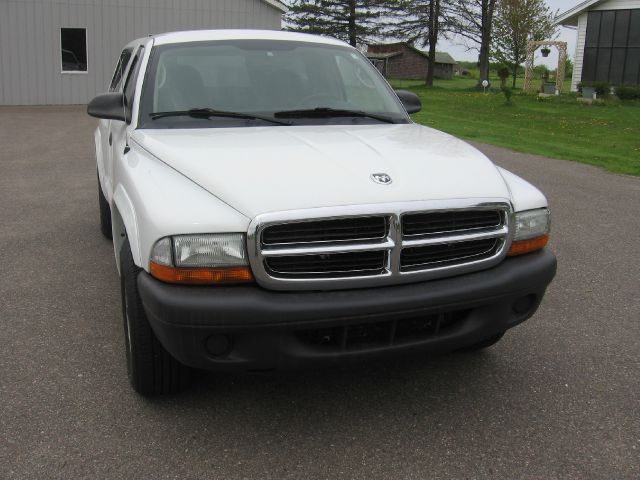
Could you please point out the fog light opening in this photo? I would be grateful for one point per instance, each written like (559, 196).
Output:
(218, 344)
(524, 304)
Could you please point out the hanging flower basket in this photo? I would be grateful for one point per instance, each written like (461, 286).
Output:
(545, 52)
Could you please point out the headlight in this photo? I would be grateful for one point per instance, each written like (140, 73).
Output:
(532, 223)
(218, 250)
(531, 231)
(201, 259)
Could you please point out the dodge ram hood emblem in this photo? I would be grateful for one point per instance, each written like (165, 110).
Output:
(381, 178)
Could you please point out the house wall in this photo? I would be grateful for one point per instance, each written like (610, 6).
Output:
(444, 70)
(30, 67)
(579, 55)
(408, 65)
(582, 33)
(618, 5)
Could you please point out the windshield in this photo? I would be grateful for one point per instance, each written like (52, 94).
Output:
(266, 78)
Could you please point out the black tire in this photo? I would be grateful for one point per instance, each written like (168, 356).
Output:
(105, 214)
(151, 369)
(483, 344)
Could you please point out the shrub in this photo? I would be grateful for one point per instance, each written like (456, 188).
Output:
(507, 94)
(503, 73)
(541, 71)
(568, 68)
(628, 92)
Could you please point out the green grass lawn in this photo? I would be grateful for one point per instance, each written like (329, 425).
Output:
(605, 135)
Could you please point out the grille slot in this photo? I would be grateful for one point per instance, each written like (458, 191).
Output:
(447, 253)
(434, 223)
(369, 336)
(338, 230)
(351, 264)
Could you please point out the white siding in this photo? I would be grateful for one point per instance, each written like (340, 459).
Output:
(579, 56)
(30, 39)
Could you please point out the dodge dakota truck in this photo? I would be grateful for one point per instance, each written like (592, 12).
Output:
(272, 205)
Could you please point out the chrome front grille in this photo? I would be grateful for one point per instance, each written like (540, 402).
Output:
(336, 230)
(438, 255)
(328, 264)
(351, 247)
(436, 223)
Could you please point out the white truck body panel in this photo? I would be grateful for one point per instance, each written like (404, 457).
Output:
(266, 169)
(187, 181)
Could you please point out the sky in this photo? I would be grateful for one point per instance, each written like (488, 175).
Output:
(460, 52)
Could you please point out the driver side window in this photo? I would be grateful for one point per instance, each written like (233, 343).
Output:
(132, 77)
(123, 61)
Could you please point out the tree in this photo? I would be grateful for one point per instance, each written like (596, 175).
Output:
(472, 20)
(568, 68)
(354, 21)
(516, 23)
(421, 22)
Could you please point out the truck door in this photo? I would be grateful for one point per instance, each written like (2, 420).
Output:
(105, 168)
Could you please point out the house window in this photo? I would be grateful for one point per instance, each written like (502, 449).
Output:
(73, 50)
(612, 47)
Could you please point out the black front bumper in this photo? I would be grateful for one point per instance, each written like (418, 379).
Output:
(248, 327)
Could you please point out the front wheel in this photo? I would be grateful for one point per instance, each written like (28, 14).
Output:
(151, 369)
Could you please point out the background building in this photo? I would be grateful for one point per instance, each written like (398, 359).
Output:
(56, 52)
(608, 46)
(401, 60)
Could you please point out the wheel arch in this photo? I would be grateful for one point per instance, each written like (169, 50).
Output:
(124, 226)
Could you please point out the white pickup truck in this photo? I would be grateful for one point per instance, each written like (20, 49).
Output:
(272, 205)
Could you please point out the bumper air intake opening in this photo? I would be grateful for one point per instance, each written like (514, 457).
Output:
(370, 336)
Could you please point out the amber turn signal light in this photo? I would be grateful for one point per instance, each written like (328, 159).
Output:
(521, 247)
(201, 275)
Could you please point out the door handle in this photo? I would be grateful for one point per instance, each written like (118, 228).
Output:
(110, 139)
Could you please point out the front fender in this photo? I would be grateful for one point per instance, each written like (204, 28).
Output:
(124, 226)
(97, 137)
(524, 196)
(152, 200)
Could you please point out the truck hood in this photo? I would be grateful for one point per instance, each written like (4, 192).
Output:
(268, 169)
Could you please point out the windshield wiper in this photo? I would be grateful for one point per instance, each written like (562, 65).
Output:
(210, 112)
(325, 112)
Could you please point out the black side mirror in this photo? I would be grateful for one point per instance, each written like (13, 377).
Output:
(410, 100)
(108, 106)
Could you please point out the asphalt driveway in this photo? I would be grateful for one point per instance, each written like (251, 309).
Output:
(558, 398)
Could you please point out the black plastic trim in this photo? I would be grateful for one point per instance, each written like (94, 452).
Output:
(263, 322)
